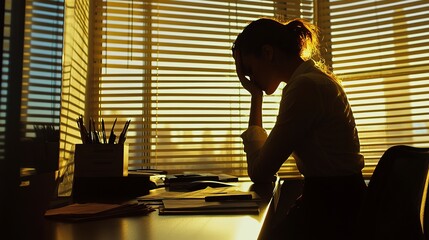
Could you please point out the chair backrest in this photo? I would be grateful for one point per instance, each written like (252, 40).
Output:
(396, 197)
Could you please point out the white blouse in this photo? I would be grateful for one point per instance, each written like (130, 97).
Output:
(315, 123)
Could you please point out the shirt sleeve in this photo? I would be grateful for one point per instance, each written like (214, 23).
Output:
(253, 138)
(298, 110)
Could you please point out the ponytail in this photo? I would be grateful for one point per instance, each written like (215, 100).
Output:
(303, 40)
(300, 38)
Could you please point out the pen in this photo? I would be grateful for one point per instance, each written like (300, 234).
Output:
(112, 136)
(82, 130)
(82, 137)
(96, 136)
(103, 131)
(122, 137)
(90, 131)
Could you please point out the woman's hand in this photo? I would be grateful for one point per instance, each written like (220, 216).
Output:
(251, 87)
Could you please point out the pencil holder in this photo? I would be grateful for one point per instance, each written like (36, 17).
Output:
(101, 160)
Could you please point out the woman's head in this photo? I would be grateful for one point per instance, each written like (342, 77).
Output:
(270, 51)
(296, 38)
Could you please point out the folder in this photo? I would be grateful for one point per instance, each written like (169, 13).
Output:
(200, 206)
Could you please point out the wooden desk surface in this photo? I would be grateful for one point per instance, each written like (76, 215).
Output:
(175, 227)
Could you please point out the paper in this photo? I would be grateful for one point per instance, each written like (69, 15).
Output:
(91, 211)
(194, 202)
(80, 209)
(200, 206)
(189, 204)
(162, 194)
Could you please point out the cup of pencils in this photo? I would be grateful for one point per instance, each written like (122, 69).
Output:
(100, 155)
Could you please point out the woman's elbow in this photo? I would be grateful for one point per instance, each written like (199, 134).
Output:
(258, 180)
(259, 176)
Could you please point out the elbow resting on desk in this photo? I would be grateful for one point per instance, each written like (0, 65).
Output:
(258, 168)
(259, 175)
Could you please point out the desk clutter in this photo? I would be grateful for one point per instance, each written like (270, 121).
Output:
(194, 181)
(135, 194)
(210, 200)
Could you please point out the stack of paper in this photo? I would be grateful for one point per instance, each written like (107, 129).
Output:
(162, 194)
(200, 206)
(92, 211)
(231, 201)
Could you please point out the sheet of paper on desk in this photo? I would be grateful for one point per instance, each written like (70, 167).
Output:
(200, 206)
(162, 194)
(92, 211)
(83, 208)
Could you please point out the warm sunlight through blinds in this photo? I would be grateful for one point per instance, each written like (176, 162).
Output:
(381, 51)
(167, 66)
(75, 75)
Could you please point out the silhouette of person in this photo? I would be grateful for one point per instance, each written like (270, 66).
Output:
(315, 124)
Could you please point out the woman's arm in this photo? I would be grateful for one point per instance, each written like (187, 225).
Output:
(255, 118)
(295, 123)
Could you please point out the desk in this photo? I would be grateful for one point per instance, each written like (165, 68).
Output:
(175, 227)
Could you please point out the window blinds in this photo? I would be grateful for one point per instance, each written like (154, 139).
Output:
(380, 50)
(5, 75)
(41, 68)
(167, 66)
(76, 59)
(42, 64)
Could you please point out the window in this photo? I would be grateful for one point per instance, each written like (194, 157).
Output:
(42, 64)
(32, 63)
(380, 50)
(167, 66)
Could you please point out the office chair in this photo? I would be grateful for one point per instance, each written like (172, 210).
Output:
(395, 206)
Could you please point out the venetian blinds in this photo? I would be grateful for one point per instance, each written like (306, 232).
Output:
(6, 17)
(167, 67)
(380, 50)
(35, 88)
(42, 64)
(74, 85)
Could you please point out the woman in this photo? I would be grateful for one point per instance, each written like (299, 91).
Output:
(315, 124)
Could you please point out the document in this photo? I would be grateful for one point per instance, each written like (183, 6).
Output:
(91, 211)
(200, 206)
(162, 194)
(220, 200)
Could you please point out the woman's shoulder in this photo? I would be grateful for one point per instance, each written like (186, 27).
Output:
(315, 82)
(308, 71)
(311, 78)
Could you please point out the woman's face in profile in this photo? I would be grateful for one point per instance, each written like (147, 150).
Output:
(259, 71)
